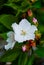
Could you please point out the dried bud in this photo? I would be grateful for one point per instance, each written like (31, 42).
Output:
(37, 35)
(24, 15)
(30, 13)
(34, 44)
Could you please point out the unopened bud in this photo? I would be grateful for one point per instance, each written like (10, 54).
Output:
(30, 13)
(37, 35)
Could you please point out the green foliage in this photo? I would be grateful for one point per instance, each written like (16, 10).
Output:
(40, 52)
(19, 5)
(37, 5)
(41, 28)
(3, 35)
(7, 20)
(10, 55)
(10, 1)
(3, 29)
(23, 59)
(30, 60)
(2, 2)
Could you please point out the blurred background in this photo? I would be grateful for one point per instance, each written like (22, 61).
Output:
(12, 10)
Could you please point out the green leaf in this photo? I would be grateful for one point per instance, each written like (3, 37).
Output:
(12, 5)
(30, 60)
(41, 28)
(20, 57)
(10, 55)
(23, 59)
(2, 2)
(37, 5)
(3, 35)
(40, 52)
(19, 8)
(10, 1)
(2, 28)
(7, 20)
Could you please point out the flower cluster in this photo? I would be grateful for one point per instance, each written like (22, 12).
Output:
(23, 32)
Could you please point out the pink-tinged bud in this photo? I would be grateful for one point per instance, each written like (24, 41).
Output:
(24, 48)
(35, 20)
(30, 13)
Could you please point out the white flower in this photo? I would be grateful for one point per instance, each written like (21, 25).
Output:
(10, 40)
(24, 31)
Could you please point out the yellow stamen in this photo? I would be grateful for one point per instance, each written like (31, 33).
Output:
(23, 32)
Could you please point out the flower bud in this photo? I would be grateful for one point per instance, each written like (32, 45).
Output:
(34, 20)
(24, 15)
(24, 48)
(34, 44)
(37, 35)
(30, 13)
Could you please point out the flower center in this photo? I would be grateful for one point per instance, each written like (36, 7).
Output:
(23, 32)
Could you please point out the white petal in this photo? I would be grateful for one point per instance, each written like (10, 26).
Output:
(10, 34)
(13, 45)
(33, 28)
(19, 38)
(24, 23)
(15, 27)
(10, 40)
(30, 36)
(9, 46)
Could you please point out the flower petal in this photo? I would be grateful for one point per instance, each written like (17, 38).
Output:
(19, 38)
(24, 24)
(16, 28)
(30, 36)
(10, 34)
(33, 28)
(9, 46)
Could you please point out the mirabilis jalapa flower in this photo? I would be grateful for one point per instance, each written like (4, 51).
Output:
(10, 40)
(24, 31)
